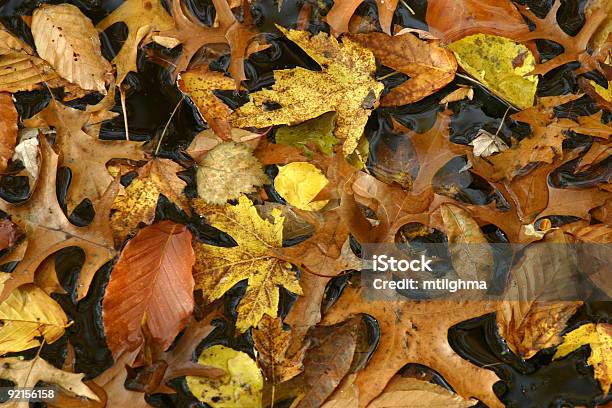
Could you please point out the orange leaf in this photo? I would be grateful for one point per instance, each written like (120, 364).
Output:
(151, 280)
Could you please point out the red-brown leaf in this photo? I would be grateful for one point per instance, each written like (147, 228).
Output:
(152, 279)
(8, 128)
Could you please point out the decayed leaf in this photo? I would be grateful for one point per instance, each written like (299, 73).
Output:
(272, 342)
(471, 254)
(536, 309)
(413, 393)
(227, 171)
(217, 269)
(314, 132)
(151, 285)
(69, 42)
(141, 17)
(27, 152)
(345, 84)
(9, 233)
(47, 230)
(460, 18)
(501, 65)
(574, 47)
(241, 386)
(417, 332)
(429, 66)
(327, 361)
(199, 84)
(486, 144)
(193, 35)
(138, 201)
(341, 12)
(599, 338)
(27, 373)
(85, 155)
(27, 314)
(8, 129)
(299, 183)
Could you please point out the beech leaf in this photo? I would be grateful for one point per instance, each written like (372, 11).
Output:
(151, 285)
(67, 39)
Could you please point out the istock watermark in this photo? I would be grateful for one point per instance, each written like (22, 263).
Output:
(539, 271)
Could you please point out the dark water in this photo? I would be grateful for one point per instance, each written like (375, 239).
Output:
(151, 96)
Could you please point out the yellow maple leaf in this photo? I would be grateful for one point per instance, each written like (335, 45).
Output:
(299, 183)
(599, 338)
(345, 84)
(218, 269)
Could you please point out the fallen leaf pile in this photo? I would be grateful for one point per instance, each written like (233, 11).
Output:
(187, 190)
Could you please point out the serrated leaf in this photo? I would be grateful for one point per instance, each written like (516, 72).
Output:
(67, 39)
(227, 171)
(345, 84)
(218, 269)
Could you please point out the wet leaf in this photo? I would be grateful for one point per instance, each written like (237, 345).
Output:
(402, 392)
(299, 183)
(151, 286)
(241, 386)
(316, 132)
(501, 65)
(345, 84)
(486, 144)
(227, 171)
(429, 66)
(67, 39)
(599, 338)
(218, 269)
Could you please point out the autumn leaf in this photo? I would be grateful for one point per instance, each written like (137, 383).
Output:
(599, 338)
(85, 155)
(299, 183)
(314, 132)
(67, 39)
(272, 342)
(429, 66)
(48, 230)
(240, 387)
(27, 373)
(471, 255)
(410, 392)
(151, 285)
(574, 47)
(426, 324)
(28, 314)
(227, 171)
(193, 35)
(535, 308)
(218, 269)
(486, 144)
(345, 84)
(141, 18)
(455, 20)
(199, 84)
(501, 65)
(341, 12)
(137, 203)
(8, 129)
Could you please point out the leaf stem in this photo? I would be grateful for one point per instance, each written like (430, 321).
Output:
(167, 124)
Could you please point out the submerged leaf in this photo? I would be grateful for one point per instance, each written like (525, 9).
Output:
(317, 132)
